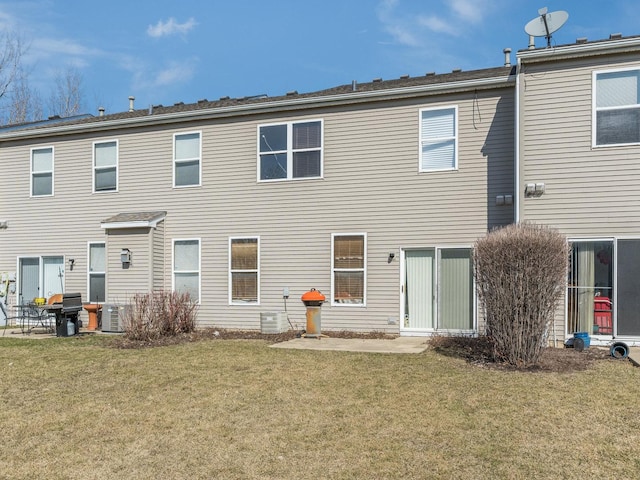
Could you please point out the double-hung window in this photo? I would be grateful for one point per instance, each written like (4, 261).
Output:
(348, 266)
(244, 270)
(186, 267)
(438, 139)
(97, 272)
(186, 159)
(288, 151)
(617, 107)
(105, 166)
(41, 172)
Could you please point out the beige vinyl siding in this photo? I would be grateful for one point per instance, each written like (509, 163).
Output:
(126, 282)
(159, 257)
(589, 191)
(371, 184)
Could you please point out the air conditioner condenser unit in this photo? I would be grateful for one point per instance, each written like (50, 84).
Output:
(112, 318)
(273, 322)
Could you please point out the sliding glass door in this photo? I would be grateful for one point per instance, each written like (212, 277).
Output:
(438, 289)
(40, 277)
(590, 288)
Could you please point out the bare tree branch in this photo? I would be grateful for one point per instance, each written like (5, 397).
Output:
(24, 103)
(66, 99)
(11, 51)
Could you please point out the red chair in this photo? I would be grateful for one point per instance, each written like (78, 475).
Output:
(602, 316)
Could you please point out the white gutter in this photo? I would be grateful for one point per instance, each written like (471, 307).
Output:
(132, 224)
(281, 105)
(579, 50)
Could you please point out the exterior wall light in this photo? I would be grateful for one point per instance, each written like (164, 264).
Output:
(125, 257)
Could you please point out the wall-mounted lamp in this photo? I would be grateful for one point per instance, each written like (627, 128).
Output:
(125, 257)
(3, 224)
(391, 257)
(72, 261)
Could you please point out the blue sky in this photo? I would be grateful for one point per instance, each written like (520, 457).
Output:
(168, 51)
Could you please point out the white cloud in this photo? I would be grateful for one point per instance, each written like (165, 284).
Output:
(54, 54)
(7, 21)
(174, 73)
(439, 25)
(402, 35)
(471, 11)
(48, 46)
(452, 18)
(399, 28)
(170, 27)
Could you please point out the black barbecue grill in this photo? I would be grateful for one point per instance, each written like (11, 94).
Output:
(70, 311)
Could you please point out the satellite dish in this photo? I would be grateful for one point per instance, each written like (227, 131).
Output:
(546, 24)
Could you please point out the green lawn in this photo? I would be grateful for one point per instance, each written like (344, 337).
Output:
(224, 409)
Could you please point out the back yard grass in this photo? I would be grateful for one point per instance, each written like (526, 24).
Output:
(236, 409)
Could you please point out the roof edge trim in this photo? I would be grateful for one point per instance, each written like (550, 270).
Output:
(133, 224)
(284, 104)
(578, 50)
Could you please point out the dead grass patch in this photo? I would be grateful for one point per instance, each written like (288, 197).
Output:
(230, 409)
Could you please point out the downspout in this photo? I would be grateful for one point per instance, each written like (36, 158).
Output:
(516, 193)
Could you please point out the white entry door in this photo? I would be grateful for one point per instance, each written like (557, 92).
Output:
(437, 288)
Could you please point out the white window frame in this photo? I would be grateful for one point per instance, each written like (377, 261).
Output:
(363, 270)
(454, 138)
(33, 172)
(173, 264)
(96, 169)
(595, 109)
(91, 273)
(186, 160)
(257, 271)
(290, 150)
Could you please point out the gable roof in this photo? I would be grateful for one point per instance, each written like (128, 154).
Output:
(134, 220)
(378, 89)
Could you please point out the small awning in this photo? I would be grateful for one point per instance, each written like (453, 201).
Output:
(134, 220)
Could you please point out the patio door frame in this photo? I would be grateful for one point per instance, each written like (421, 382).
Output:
(41, 279)
(410, 331)
(602, 339)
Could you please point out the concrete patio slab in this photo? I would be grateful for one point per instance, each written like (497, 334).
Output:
(634, 356)
(396, 345)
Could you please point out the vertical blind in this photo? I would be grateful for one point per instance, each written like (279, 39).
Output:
(456, 290)
(244, 269)
(419, 285)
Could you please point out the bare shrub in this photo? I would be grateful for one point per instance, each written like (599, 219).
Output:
(159, 314)
(520, 271)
